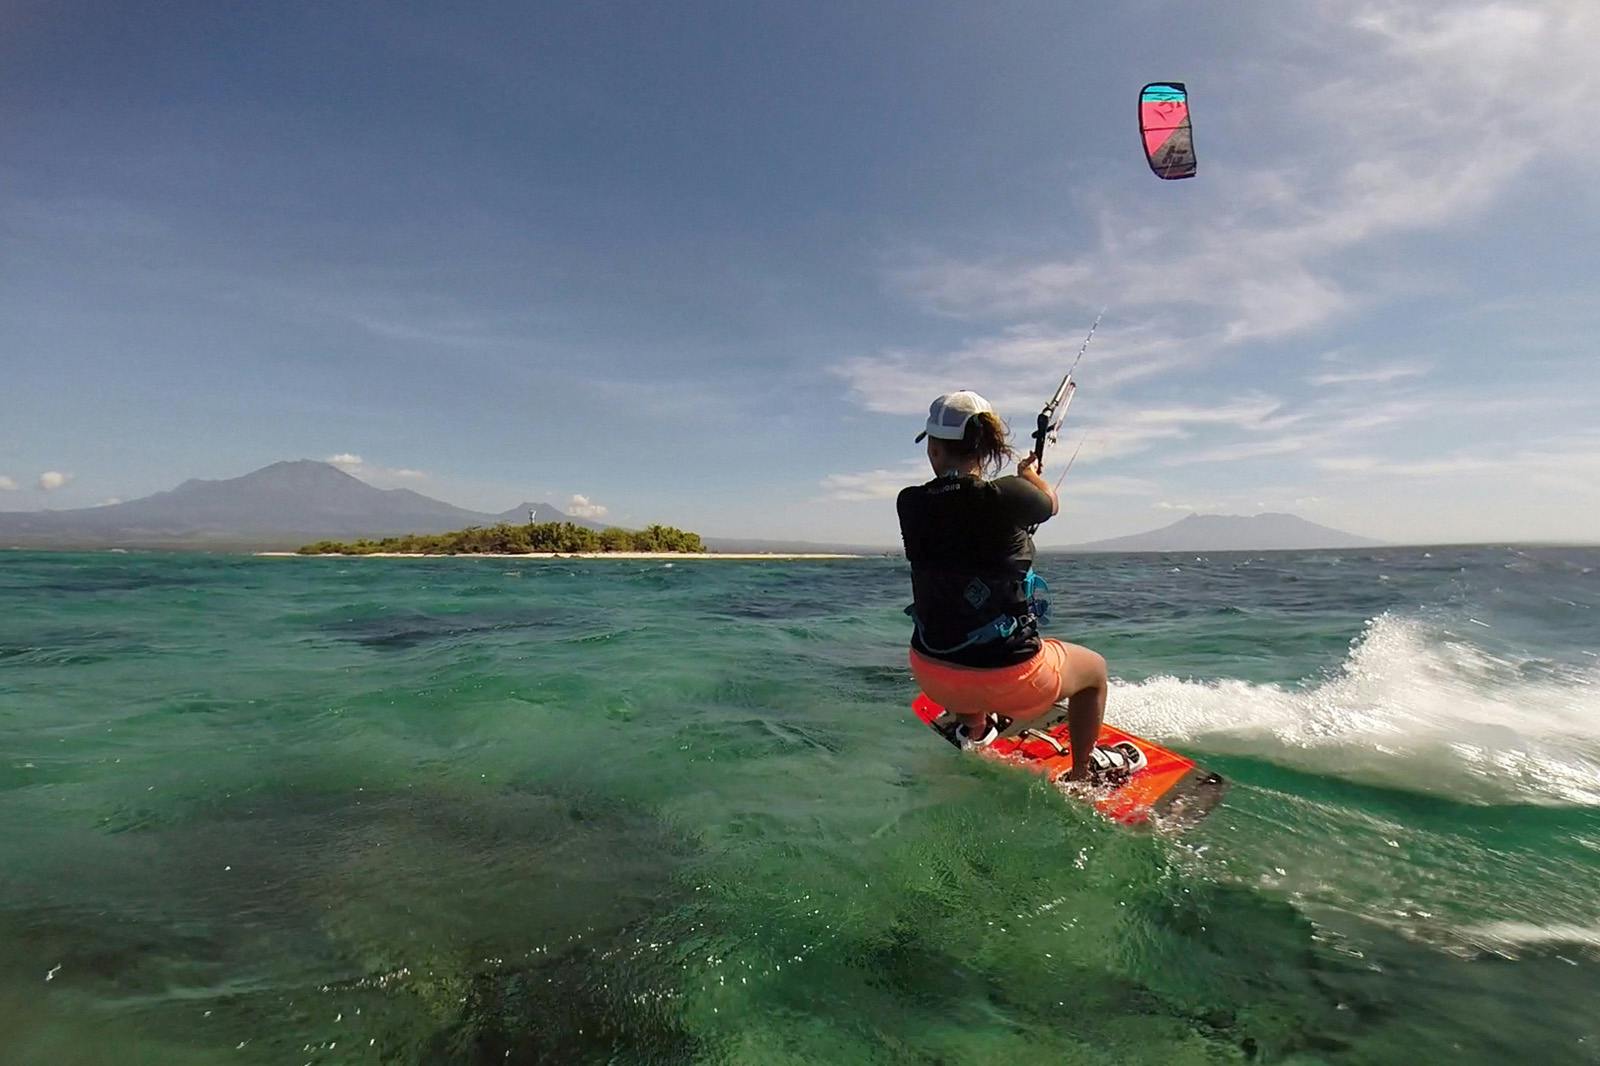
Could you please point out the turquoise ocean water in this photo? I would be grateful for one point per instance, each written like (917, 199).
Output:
(489, 810)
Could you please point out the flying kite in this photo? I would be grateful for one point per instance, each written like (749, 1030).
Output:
(1164, 121)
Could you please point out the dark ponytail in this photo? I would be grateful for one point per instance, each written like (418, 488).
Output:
(985, 439)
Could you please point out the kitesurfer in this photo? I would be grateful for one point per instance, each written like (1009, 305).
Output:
(975, 647)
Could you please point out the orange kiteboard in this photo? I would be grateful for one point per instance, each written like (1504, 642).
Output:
(1167, 788)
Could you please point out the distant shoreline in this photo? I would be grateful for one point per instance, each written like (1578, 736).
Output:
(747, 556)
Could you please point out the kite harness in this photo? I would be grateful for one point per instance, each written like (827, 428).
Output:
(1027, 607)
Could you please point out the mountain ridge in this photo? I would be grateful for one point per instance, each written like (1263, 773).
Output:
(283, 504)
(293, 502)
(1267, 531)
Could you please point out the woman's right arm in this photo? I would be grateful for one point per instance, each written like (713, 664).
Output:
(1026, 471)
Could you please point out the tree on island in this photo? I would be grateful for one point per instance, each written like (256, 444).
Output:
(506, 539)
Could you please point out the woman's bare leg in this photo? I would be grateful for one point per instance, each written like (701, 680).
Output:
(974, 724)
(1084, 683)
(1083, 686)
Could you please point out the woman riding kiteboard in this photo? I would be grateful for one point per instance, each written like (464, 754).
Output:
(975, 646)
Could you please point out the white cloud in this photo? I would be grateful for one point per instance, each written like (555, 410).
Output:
(880, 484)
(1327, 424)
(582, 507)
(7, 485)
(1373, 375)
(1448, 466)
(1569, 464)
(1546, 489)
(109, 500)
(886, 483)
(992, 287)
(373, 474)
(1106, 486)
(51, 480)
(903, 381)
(1016, 370)
(1322, 432)
(1251, 410)
(1116, 430)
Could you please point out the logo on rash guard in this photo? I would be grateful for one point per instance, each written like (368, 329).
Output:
(977, 593)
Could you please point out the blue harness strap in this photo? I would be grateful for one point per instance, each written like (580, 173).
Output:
(1038, 606)
(999, 629)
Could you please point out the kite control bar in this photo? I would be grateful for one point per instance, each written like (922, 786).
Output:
(1055, 412)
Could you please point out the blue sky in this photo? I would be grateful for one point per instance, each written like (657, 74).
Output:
(707, 263)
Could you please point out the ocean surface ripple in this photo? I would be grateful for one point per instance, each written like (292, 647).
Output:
(490, 810)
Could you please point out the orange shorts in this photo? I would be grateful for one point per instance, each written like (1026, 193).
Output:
(1025, 690)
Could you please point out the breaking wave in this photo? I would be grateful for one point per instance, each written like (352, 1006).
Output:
(1411, 706)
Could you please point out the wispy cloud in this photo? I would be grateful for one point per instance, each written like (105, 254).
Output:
(886, 483)
(7, 485)
(1015, 370)
(1372, 375)
(902, 381)
(1568, 463)
(372, 473)
(880, 484)
(51, 480)
(448, 329)
(1115, 430)
(1323, 425)
(1428, 118)
(1107, 486)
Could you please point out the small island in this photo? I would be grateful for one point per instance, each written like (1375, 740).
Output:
(541, 538)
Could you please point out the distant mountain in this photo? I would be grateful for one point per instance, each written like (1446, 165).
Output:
(283, 505)
(1226, 532)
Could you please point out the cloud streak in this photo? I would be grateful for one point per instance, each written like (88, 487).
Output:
(382, 476)
(1569, 464)
(883, 483)
(1373, 375)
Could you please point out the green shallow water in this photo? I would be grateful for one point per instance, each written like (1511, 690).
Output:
(475, 811)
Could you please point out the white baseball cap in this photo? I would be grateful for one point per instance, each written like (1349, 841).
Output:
(948, 415)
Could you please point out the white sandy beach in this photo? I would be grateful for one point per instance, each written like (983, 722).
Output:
(674, 556)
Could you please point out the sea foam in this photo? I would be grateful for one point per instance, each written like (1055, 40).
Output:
(1413, 705)
(1507, 937)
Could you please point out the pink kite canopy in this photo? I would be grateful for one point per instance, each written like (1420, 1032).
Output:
(1164, 121)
